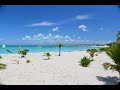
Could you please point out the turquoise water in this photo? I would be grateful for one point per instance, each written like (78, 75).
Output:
(36, 49)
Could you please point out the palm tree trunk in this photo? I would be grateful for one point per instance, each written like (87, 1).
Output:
(48, 57)
(59, 51)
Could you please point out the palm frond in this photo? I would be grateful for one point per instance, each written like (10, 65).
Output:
(107, 65)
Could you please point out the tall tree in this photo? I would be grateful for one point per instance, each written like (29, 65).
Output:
(60, 45)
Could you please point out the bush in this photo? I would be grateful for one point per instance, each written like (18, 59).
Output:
(92, 50)
(0, 57)
(9, 51)
(85, 61)
(23, 53)
(28, 61)
(103, 49)
(2, 66)
(48, 55)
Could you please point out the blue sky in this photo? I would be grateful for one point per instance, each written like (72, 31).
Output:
(52, 24)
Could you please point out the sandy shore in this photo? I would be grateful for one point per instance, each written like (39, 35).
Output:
(59, 70)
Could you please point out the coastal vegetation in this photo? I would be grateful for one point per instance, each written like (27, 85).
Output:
(92, 53)
(48, 55)
(103, 49)
(60, 45)
(114, 53)
(9, 51)
(0, 57)
(23, 52)
(28, 61)
(2, 66)
(85, 61)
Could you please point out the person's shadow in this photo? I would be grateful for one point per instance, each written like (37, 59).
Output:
(108, 80)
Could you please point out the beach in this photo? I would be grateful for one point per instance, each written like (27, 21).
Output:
(58, 70)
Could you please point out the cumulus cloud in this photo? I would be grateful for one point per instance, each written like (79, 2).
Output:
(48, 38)
(27, 37)
(44, 23)
(82, 17)
(83, 27)
(101, 29)
(55, 29)
(79, 37)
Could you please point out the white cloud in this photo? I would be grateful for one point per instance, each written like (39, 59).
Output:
(101, 29)
(48, 38)
(79, 37)
(83, 27)
(55, 29)
(82, 17)
(58, 37)
(44, 23)
(74, 35)
(27, 38)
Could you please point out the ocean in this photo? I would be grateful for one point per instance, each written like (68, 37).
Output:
(37, 49)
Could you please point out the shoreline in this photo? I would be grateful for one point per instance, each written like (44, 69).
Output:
(42, 52)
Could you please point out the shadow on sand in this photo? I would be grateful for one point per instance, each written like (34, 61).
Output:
(108, 80)
(46, 59)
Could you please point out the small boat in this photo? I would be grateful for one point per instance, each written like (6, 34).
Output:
(3, 46)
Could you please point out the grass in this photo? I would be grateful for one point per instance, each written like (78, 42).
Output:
(28, 61)
(2, 66)
(85, 61)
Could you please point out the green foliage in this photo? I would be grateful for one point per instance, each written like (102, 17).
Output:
(28, 61)
(60, 45)
(48, 55)
(92, 52)
(2, 66)
(9, 51)
(0, 57)
(114, 53)
(24, 52)
(85, 61)
(19, 51)
(103, 49)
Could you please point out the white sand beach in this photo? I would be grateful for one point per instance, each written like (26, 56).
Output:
(59, 70)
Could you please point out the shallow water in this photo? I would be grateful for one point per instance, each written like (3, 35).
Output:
(36, 49)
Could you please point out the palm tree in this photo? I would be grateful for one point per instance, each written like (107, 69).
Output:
(48, 55)
(60, 45)
(118, 35)
(114, 53)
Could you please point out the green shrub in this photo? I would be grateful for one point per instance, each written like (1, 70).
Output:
(92, 50)
(9, 51)
(85, 61)
(2, 66)
(48, 55)
(23, 52)
(28, 61)
(103, 49)
(114, 53)
(0, 57)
